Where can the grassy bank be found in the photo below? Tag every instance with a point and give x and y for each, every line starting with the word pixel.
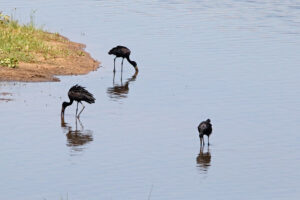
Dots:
pixel 28 53
pixel 27 43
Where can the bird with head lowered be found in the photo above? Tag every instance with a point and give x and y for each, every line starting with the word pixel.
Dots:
pixel 123 52
pixel 79 94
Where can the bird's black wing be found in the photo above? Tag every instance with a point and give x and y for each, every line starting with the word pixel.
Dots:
pixel 120 51
pixel 79 93
pixel 202 126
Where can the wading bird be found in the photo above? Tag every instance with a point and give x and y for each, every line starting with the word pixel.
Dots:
pixel 79 94
pixel 204 128
pixel 124 52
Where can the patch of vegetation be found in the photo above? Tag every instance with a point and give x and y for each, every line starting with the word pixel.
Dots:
pixel 9 62
pixel 27 43
pixel 80 53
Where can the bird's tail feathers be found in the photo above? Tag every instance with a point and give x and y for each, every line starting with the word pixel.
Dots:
pixel 90 99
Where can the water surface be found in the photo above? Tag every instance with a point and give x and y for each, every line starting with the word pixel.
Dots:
pixel 235 62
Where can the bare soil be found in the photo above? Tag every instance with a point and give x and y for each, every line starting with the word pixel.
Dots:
pixel 76 63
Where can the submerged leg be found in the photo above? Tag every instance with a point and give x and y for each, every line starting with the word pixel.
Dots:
pixel 81 110
pixel 115 64
pixel 80 124
pixel 114 79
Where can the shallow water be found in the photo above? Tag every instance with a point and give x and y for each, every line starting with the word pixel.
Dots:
pixel 235 62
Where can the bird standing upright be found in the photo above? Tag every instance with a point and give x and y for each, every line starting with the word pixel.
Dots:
pixel 124 52
pixel 204 128
pixel 79 94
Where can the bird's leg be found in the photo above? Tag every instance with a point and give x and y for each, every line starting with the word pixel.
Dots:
pixel 76 123
pixel 77 108
pixel 122 66
pixel 115 64
pixel 122 78
pixel 208 140
pixel 201 141
pixel 80 124
pixel 81 110
pixel 114 79
pixel 201 148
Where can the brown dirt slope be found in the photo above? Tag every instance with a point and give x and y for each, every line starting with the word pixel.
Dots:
pixel 76 62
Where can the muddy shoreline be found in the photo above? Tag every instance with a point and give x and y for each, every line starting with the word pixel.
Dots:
pixel 78 62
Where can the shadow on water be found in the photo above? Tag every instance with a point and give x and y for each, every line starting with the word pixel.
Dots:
pixel 203 159
pixel 78 138
pixel 120 91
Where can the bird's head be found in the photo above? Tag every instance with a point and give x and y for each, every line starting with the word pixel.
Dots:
pixel 110 52
pixel 208 120
pixel 63 107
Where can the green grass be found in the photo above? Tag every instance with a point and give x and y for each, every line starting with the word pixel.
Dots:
pixel 25 43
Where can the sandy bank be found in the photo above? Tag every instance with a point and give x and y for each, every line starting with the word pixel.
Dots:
pixel 77 62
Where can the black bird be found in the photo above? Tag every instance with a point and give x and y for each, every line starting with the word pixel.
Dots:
pixel 79 94
pixel 204 128
pixel 124 52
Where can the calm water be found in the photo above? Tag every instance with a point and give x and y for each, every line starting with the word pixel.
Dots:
pixel 235 62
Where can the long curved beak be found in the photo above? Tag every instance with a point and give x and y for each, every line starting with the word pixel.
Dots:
pixel 62 112
pixel 136 68
pixel 62 121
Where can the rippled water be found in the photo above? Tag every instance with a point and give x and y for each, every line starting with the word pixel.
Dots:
pixel 235 62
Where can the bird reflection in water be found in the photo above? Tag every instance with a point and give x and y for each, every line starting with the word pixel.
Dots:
pixel 76 139
pixel 203 159
pixel 120 91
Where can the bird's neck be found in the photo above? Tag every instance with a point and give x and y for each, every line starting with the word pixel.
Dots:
pixel 131 62
pixel 64 105
pixel 69 103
